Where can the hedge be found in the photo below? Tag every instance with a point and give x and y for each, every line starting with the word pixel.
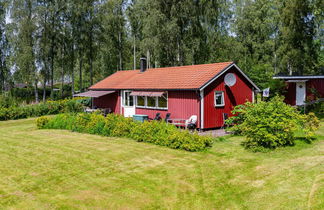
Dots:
pixel 36 110
pixel 155 132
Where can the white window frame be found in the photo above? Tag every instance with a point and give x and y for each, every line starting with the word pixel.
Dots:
pixel 124 99
pixel 156 103
pixel 139 106
pixel 223 98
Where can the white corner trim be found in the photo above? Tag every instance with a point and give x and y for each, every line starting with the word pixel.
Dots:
pixel 202 109
pixel 253 96
pixel 224 71
pixel 121 101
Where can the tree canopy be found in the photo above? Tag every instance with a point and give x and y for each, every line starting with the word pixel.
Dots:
pixel 79 42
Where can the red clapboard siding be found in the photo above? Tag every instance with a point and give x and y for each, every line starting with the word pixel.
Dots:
pixel 235 95
pixel 111 101
pixel 290 95
pixel 181 105
pixel 316 84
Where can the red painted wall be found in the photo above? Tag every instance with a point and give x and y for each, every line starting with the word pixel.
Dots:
pixel 181 105
pixel 235 95
pixel 111 101
pixel 290 95
pixel 318 85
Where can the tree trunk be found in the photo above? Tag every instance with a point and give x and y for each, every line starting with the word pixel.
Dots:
pixel 44 89
pixel 72 69
pixel 62 76
pixel 134 52
pixel 120 52
pixel 80 73
pixel 90 59
pixel 52 57
pixel 36 91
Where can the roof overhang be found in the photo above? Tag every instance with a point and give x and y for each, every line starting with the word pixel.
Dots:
pixel 297 80
pixel 147 93
pixel 299 77
pixel 93 94
pixel 224 71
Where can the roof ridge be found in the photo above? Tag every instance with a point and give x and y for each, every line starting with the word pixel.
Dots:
pixel 184 66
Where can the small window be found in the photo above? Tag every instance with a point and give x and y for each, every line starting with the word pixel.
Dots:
pixel 219 98
pixel 140 101
pixel 151 101
pixel 163 101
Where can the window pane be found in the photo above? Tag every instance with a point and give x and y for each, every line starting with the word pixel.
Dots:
pixel 140 101
pixel 219 98
pixel 126 98
pixel 151 101
pixel 162 101
pixel 131 100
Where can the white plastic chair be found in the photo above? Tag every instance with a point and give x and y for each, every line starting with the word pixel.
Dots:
pixel 191 121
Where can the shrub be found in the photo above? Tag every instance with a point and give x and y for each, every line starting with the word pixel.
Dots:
pixel 271 124
pixel 36 110
pixel 159 133
pixel 42 121
pixel 311 124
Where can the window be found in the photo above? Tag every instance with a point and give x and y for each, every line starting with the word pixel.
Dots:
pixel 140 101
pixel 219 98
pixel 152 102
pixel 162 101
pixel 128 100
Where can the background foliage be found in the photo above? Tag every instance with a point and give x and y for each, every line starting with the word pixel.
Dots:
pixel 40 109
pixel 78 42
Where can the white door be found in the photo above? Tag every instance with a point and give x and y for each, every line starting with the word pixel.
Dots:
pixel 128 104
pixel 300 93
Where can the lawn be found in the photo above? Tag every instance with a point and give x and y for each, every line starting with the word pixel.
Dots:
pixel 50 169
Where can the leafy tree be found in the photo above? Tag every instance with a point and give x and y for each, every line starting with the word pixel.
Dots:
pixel 4 70
pixel 297 32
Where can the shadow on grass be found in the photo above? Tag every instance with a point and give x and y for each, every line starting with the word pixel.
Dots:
pixel 305 140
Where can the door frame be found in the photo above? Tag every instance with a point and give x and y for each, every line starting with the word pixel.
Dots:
pixel 130 108
pixel 302 91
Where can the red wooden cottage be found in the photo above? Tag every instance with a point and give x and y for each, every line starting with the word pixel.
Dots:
pixel 207 91
pixel 300 89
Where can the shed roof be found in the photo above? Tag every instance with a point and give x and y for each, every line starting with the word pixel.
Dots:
pixel 168 78
pixel 299 77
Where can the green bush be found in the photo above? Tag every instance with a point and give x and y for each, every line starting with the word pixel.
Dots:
pixel 271 124
pixel 42 121
pixel 36 110
pixel 155 132
pixel 7 101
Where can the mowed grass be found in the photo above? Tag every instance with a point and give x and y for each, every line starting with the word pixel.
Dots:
pixel 55 169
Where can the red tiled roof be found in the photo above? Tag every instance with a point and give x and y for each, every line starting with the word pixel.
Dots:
pixel 180 77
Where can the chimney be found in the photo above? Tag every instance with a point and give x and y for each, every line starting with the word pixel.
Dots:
pixel 143 64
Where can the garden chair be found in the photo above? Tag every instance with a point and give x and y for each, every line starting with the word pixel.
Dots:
pixel 167 117
pixel 191 123
pixel 157 117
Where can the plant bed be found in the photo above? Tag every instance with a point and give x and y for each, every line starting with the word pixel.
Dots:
pixel 155 132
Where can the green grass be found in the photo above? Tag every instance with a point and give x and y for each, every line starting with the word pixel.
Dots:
pixel 51 169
